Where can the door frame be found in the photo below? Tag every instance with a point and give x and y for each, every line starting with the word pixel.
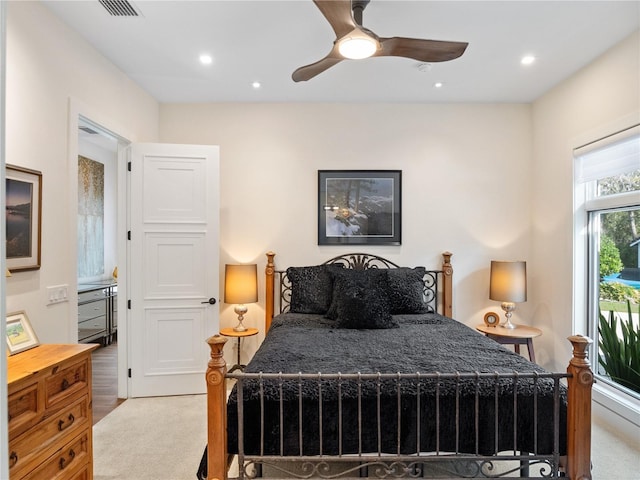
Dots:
pixel 77 111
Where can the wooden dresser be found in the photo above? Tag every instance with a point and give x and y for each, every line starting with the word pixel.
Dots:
pixel 50 421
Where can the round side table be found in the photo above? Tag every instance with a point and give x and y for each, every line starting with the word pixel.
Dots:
pixel 521 335
pixel 230 332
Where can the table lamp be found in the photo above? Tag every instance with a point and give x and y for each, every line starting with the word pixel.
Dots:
pixel 508 284
pixel 240 287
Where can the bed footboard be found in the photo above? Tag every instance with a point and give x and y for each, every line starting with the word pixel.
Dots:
pixel 578 432
pixel 216 410
pixel 580 383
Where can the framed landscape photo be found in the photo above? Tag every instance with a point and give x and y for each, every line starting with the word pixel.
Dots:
pixel 23 217
pixel 359 207
pixel 20 334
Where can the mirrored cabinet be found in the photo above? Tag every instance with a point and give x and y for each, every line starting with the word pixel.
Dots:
pixel 97 312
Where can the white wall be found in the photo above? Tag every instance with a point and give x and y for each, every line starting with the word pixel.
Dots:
pixel 50 72
pixel 466 171
pixel 594 102
pixel 599 100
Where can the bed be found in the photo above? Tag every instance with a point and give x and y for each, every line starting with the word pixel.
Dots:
pixel 363 372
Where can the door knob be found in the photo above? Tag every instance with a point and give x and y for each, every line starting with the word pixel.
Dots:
pixel 211 301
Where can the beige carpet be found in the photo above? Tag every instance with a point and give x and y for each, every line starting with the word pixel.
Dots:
pixel 163 438
pixel 159 438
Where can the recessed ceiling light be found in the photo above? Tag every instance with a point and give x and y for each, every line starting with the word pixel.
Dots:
pixel 206 59
pixel 528 60
pixel 256 85
pixel 438 84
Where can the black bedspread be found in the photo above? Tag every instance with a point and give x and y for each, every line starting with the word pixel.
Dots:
pixel 423 344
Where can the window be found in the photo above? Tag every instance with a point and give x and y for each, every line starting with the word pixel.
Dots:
pixel 607 190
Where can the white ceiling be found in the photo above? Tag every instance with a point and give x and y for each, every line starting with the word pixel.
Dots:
pixel 266 40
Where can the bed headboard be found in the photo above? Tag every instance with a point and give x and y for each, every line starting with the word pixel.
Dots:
pixel 438 284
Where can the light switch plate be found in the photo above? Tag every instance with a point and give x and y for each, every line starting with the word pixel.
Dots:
pixel 57 294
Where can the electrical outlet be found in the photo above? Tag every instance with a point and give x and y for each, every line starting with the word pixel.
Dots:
pixel 57 294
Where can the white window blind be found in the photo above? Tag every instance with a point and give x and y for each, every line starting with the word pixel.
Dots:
pixel 610 156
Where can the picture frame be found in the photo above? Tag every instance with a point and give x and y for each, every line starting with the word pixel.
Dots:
pixel 359 207
pixel 23 217
pixel 20 333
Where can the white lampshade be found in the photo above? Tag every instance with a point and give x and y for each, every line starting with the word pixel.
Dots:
pixel 357 45
pixel 241 284
pixel 508 281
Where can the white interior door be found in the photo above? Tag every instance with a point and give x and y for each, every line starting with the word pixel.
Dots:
pixel 173 266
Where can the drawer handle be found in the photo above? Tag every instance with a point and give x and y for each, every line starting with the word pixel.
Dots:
pixel 65 384
pixel 13 459
pixel 63 426
pixel 63 461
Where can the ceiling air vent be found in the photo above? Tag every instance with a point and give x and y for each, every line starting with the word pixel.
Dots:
pixel 119 8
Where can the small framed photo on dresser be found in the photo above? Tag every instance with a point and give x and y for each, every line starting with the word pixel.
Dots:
pixel 20 334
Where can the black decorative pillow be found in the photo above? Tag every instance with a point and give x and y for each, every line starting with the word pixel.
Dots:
pixel 374 276
pixel 406 290
pixel 339 279
pixel 311 288
pixel 360 299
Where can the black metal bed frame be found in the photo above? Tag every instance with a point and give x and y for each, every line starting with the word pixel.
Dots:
pixel 363 261
pixel 386 464
pixel 434 463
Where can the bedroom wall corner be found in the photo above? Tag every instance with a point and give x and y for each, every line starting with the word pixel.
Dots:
pixel 592 103
pixel 598 95
pixel 47 65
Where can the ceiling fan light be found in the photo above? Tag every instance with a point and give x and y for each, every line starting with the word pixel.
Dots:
pixel 357 45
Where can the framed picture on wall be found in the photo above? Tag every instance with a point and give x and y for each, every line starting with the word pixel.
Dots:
pixel 359 207
pixel 20 334
pixel 23 218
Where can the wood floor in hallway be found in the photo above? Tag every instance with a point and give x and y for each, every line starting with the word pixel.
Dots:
pixel 105 381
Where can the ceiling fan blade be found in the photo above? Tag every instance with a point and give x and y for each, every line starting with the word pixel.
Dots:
pixel 309 71
pixel 421 50
pixel 339 15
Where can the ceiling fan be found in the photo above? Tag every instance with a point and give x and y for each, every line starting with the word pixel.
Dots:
pixel 353 41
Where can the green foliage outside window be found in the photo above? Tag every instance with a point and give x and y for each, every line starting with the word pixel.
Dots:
pixel 618 292
pixel 622 226
pixel 621 183
pixel 619 348
pixel 609 257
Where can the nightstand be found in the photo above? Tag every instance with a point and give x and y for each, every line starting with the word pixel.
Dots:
pixel 230 332
pixel 521 335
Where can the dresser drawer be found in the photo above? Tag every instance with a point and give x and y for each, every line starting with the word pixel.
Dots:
pixel 22 408
pixel 84 474
pixel 92 327
pixel 92 296
pixel 66 462
pixel 66 382
pixel 92 310
pixel 29 447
